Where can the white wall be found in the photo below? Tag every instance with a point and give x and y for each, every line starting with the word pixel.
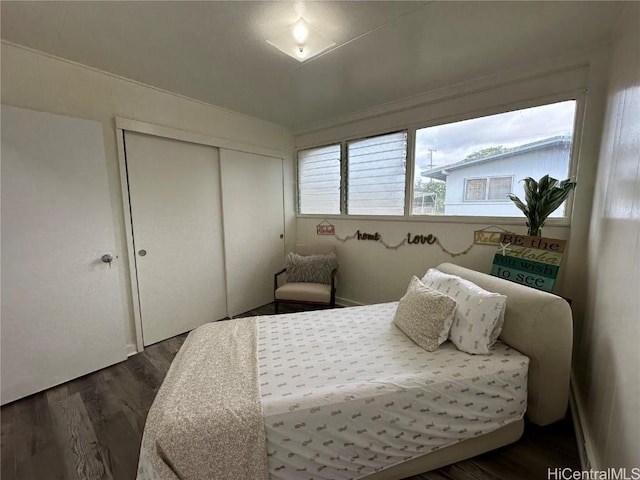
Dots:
pixel 41 82
pixel 370 273
pixel 607 352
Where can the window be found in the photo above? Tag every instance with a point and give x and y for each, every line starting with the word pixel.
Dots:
pixel 499 188
pixel 319 180
pixel 464 168
pixel 475 189
pixel 469 167
pixel 376 175
pixel 492 188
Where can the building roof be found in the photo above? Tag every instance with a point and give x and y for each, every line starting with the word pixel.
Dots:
pixel 440 172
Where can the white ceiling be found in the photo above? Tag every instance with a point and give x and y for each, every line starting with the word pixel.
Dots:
pixel 386 50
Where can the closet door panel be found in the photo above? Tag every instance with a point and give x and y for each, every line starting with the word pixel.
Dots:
pixel 174 191
pixel 252 193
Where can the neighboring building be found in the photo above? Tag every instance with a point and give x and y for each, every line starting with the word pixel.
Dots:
pixel 424 203
pixel 480 186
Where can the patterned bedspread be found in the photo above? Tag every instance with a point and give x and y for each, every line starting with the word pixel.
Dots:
pixel 345 393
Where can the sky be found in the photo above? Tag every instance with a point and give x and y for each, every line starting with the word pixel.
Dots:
pixel 454 141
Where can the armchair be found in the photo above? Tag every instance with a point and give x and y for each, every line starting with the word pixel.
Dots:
pixel 303 290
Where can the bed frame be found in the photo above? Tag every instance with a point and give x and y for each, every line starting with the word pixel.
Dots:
pixel 539 325
pixel 536 323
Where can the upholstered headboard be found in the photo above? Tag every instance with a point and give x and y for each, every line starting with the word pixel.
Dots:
pixel 539 325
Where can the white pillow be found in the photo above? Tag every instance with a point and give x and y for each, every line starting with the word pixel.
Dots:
pixel 480 314
pixel 425 315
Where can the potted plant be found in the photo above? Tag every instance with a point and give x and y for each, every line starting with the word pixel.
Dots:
pixel 542 199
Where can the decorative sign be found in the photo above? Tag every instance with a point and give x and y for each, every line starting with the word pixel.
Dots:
pixel 325 228
pixel 531 261
pixel 483 237
pixel 368 236
pixel 489 235
pixel 421 239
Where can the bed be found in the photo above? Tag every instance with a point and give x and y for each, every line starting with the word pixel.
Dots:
pixel 341 394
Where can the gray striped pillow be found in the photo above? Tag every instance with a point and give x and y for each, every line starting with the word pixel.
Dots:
pixel 311 268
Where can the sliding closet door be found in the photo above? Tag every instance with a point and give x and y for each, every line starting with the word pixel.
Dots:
pixel 62 309
pixel 174 190
pixel 252 194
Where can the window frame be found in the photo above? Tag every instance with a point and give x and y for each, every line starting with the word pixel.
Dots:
pixel 345 161
pixel 577 95
pixel 484 189
pixel 487 188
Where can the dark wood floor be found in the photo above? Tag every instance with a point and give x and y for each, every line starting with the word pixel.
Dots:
pixel 91 428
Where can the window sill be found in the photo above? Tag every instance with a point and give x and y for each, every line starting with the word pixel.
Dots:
pixel 513 221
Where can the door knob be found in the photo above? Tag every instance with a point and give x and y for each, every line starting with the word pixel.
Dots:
pixel 142 253
pixel 107 258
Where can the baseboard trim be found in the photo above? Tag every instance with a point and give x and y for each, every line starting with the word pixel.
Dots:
pixel 588 458
pixel 345 302
pixel 131 349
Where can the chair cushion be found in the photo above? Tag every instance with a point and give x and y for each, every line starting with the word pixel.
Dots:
pixel 304 292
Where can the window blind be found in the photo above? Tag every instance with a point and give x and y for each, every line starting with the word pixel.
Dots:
pixel 319 180
pixel 376 169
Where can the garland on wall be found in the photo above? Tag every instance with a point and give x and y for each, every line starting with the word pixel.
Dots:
pixel 480 238
pixel 410 239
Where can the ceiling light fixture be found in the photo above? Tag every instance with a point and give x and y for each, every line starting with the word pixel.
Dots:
pixel 300 31
pixel 301 41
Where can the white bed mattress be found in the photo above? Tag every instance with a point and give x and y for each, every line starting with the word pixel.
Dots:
pixel 345 393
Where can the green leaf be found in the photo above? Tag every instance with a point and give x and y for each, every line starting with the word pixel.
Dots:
pixel 542 199
pixel 530 191
pixel 555 198
pixel 543 184
pixel 518 203
pixel 567 184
